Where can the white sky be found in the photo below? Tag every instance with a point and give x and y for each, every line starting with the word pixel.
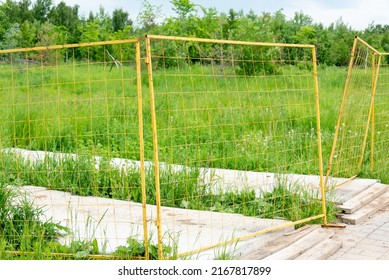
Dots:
pixel 356 13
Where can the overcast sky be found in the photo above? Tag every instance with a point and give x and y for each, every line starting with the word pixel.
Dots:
pixel 356 13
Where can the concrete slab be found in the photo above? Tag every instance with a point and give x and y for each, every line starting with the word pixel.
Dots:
pixel 221 180
pixel 260 182
pixel 111 222
pixel 218 179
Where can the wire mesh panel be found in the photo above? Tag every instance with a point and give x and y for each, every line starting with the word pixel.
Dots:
pixel 351 137
pixel 70 140
pixel 380 123
pixel 236 130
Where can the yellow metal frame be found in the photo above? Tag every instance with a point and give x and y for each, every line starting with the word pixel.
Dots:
pixel 155 136
pixel 319 146
pixel 155 148
pixel 246 43
pixel 140 123
pixel 148 61
pixel 68 46
pixel 142 149
pixel 370 119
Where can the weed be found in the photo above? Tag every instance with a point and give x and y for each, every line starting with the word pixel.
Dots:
pixel 226 252
pixel 22 226
pixel 135 249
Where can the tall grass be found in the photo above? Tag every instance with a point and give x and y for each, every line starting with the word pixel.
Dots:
pixel 87 109
pixel 79 108
pixel 180 189
pixel 22 225
pixel 90 111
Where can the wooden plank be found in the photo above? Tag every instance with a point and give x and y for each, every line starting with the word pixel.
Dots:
pixel 363 198
pixel 286 240
pixel 352 188
pixel 300 246
pixel 321 251
pixel 366 211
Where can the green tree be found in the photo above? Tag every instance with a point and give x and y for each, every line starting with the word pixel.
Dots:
pixel 385 40
pixel 98 27
pixel 63 15
pixel 148 16
pixel 281 28
pixel 4 21
pixel 230 24
pixel 207 26
pixel 123 34
pixel 41 9
pixel 105 22
pixel 323 44
pixel 120 20
pixel 91 32
pixel 341 39
pixel 183 7
pixel 184 10
pixel 300 19
pixel 306 35
pixel 18 12
pixel 48 35
pixel 12 37
pixel 28 34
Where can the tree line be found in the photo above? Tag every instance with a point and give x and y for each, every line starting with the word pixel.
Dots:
pixel 27 23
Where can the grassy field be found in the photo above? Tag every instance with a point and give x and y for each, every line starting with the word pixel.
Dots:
pixel 203 120
pixel 88 109
pixel 50 109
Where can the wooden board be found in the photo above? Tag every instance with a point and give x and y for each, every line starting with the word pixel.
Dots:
pixel 286 240
pixel 321 251
pixel 363 198
pixel 366 211
pixel 302 245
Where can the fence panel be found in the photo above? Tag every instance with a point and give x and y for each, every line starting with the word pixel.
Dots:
pixel 232 143
pixel 71 139
pixel 361 137
pixel 348 153
pixel 236 131
pixel 380 124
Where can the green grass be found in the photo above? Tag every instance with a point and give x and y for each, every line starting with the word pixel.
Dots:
pixel 179 189
pixel 71 111
pixel 25 233
pixel 227 124
pixel 24 230
pixel 240 123
pixel 203 120
pixel 22 226
pixel 236 123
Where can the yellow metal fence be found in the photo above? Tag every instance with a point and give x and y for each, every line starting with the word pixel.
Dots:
pixel 236 129
pixel 360 142
pixel 70 115
pixel 379 157
pixel 218 141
